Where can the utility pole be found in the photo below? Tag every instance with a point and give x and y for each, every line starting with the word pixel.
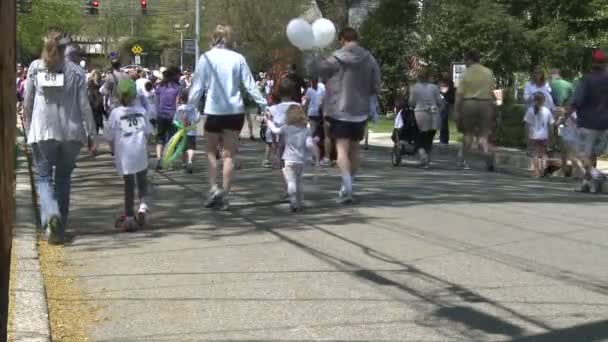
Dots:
pixel 132 19
pixel 198 32
pixel 8 126
pixel 181 29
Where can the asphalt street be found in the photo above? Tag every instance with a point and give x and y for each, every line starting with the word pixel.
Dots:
pixel 423 255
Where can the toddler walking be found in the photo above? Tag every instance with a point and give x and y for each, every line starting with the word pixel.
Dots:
pixel 188 116
pixel 128 133
pixel 539 121
pixel 298 140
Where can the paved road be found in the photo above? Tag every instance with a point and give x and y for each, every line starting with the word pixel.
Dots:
pixel 425 255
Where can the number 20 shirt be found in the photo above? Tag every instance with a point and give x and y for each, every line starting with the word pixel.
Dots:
pixel 128 130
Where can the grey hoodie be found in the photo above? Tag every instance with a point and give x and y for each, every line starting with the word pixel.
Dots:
pixel 353 78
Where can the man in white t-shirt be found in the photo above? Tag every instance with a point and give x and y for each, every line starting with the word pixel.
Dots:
pixel 312 101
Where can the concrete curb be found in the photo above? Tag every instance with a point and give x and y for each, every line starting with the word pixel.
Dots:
pixel 30 319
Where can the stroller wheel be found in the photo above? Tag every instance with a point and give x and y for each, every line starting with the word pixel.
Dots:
pixel 396 156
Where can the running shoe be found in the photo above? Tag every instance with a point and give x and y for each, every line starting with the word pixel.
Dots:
pixel 224 205
pixel 53 231
pixel 586 186
pixel 215 198
pixel 159 166
pixel 129 225
pixel 463 165
pixel 345 197
pixel 141 215
pixel 267 164
pixel 325 162
pixel 189 168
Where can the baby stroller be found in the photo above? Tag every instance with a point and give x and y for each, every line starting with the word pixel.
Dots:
pixel 405 135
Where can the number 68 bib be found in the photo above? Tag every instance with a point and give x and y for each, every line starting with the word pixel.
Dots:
pixel 130 124
pixel 49 79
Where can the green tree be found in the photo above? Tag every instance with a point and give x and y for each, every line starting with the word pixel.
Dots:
pixel 64 15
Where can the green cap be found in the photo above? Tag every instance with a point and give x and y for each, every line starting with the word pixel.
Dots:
pixel 126 88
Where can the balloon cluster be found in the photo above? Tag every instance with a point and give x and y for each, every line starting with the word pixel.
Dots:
pixel 305 36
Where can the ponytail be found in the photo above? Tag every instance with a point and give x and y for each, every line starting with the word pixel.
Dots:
pixel 53 50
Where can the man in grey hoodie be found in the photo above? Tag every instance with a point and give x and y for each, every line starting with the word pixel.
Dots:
pixel 354 78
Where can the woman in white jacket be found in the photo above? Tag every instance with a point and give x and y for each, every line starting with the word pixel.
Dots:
pixel 58 119
pixel 219 75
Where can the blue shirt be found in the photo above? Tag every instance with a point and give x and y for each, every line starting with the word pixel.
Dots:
pixel 219 75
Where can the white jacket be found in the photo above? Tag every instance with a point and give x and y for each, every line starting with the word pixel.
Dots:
pixel 57 113
pixel 219 75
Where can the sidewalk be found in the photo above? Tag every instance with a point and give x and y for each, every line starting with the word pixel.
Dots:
pixel 29 313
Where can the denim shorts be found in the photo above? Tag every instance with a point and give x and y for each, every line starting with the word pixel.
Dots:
pixel 592 143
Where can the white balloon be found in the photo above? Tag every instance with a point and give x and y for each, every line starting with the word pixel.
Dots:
pixel 324 32
pixel 299 33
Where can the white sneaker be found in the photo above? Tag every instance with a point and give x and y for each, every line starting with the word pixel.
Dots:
pixel 215 197
pixel 141 215
pixel 325 162
pixel 345 197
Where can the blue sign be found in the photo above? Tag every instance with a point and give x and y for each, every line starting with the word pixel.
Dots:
pixel 113 54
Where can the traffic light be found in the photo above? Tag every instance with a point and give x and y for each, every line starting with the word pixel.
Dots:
pixel 144 7
pixel 93 7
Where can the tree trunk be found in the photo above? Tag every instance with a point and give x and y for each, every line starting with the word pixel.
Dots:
pixel 8 106
pixel 336 11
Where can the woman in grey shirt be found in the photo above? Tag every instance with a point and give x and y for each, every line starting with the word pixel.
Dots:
pixel 426 99
pixel 58 118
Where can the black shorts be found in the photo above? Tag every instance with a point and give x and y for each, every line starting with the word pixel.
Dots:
pixel 354 131
pixel 220 123
pixel 191 142
pixel 164 130
pixel 318 119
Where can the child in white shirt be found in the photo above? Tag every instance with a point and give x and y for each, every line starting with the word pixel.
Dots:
pixel 128 129
pixel 278 112
pixel 539 121
pixel 298 141
pixel 188 116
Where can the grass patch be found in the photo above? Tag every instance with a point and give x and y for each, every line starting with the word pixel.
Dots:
pixel 386 125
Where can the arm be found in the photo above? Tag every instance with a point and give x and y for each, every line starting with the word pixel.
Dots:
pixel 578 99
pixel 273 128
pixel 325 67
pixel 249 83
pixel 376 77
pixel 412 99
pixel 30 94
pixel 528 94
pixel 198 82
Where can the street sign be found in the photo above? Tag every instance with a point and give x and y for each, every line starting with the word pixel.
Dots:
pixel 137 50
pixel 113 55
pixel 138 59
pixel 189 46
pixel 458 70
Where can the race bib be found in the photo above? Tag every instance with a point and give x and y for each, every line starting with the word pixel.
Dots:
pixel 130 124
pixel 49 79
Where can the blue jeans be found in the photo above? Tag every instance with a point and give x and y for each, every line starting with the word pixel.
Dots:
pixel 55 161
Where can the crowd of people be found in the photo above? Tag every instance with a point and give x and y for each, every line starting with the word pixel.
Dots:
pixel 303 122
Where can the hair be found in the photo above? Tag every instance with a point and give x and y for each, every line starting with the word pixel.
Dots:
pixel 222 36
pixel 539 68
pixel 472 55
pixel 96 76
pixel 183 96
pixel 149 86
pixel 170 75
pixel 424 74
pixel 296 116
pixel 53 52
pixel 400 102
pixel 286 88
pixel 539 101
pixel 349 34
pixel 115 64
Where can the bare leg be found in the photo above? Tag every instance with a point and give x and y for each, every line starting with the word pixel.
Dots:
pixel 344 163
pixel 213 141
pixel 249 124
pixel 465 149
pixel 231 144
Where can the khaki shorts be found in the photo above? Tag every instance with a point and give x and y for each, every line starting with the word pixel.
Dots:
pixel 478 117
